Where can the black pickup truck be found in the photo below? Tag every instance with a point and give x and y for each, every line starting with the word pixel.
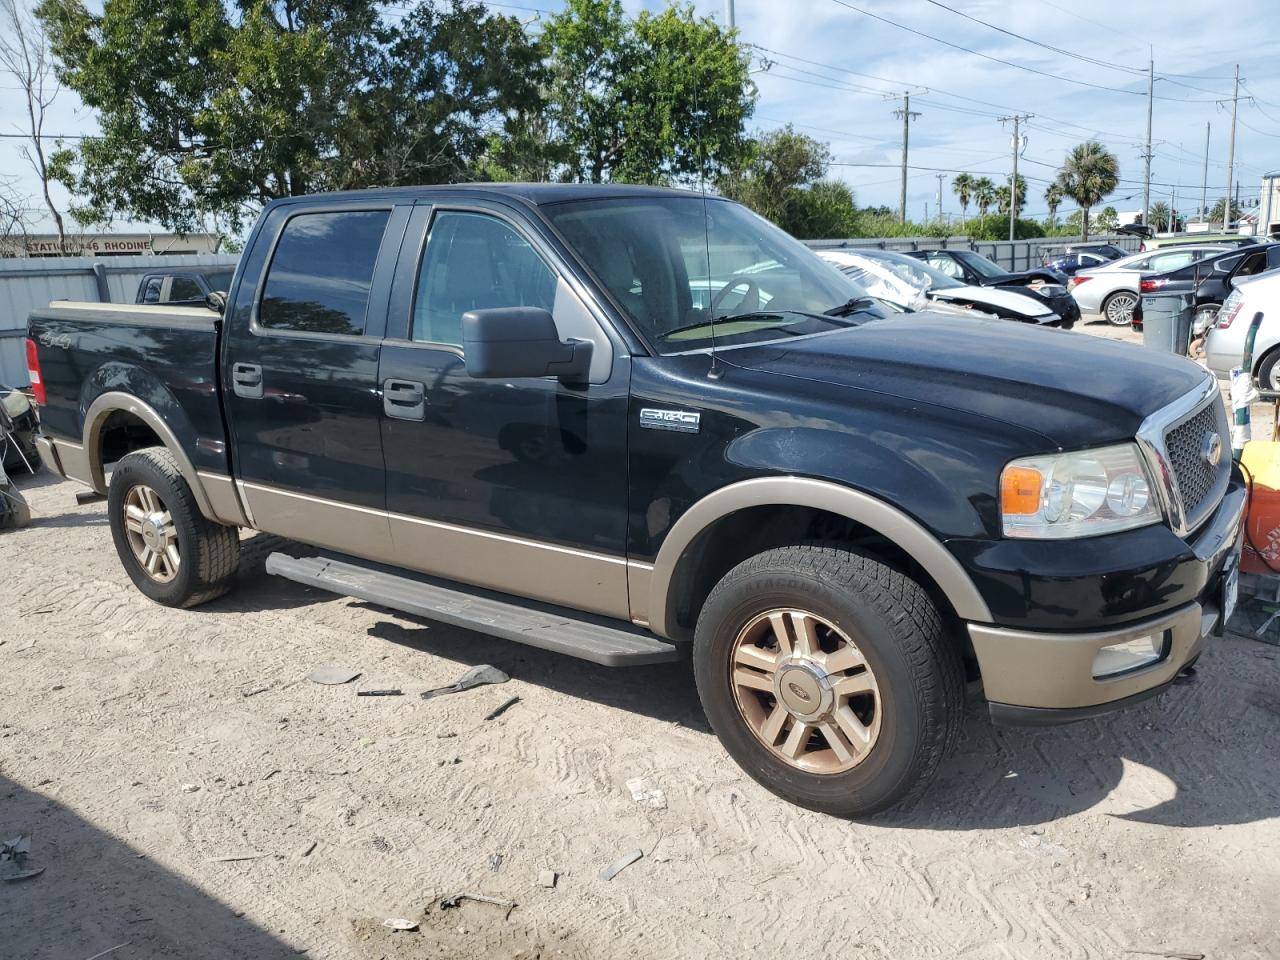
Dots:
pixel 634 425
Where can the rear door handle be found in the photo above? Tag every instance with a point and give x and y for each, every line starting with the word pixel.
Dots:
pixel 246 380
pixel 404 399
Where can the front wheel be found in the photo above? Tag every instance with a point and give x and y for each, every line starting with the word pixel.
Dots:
pixel 1118 308
pixel 1269 371
pixel 827 676
pixel 171 551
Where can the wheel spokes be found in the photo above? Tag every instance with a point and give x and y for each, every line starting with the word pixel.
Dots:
pixel 753 680
pixel 848 657
pixel 796 740
pixel 855 685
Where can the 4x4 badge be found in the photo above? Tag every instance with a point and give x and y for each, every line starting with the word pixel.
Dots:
pixel 682 421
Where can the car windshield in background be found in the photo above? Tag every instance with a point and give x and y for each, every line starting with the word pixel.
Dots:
pixel 758 283
pixel 981 264
pixel 915 272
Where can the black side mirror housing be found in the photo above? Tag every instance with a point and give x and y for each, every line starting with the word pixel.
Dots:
pixel 216 301
pixel 507 343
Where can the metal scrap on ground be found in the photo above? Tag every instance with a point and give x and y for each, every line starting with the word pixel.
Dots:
pixel 647 793
pixel 399 923
pixel 477 676
pixel 13 860
pixel 501 708
pixel 624 861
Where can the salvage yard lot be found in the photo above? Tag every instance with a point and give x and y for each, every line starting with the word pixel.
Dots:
pixel 144 749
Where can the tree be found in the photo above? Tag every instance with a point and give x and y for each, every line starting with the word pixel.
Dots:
pixel 984 195
pixel 16 214
pixel 25 56
pixel 1160 217
pixel 962 184
pixel 1053 197
pixel 1108 220
pixel 209 110
pixel 658 99
pixel 784 182
pixel 1088 174
pixel 1002 195
pixel 1216 213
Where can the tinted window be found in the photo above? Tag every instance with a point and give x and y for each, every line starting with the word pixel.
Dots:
pixel 320 272
pixel 151 293
pixel 981 265
pixel 475 262
pixel 184 288
pixel 219 280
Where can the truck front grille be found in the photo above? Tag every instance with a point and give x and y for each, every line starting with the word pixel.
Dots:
pixel 1200 483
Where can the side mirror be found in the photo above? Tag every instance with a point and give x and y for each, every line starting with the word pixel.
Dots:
pixel 216 301
pixel 511 342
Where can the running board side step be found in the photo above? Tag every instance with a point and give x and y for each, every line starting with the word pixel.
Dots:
pixel 530 622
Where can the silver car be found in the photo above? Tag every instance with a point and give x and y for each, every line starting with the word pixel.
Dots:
pixel 1112 289
pixel 1224 347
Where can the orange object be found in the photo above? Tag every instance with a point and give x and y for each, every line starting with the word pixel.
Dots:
pixel 1261 553
pixel 1020 491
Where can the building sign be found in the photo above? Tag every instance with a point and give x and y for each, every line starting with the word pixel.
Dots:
pixel 119 245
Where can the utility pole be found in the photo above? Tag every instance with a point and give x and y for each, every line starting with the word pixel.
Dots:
pixel 1204 182
pixel 1146 178
pixel 1231 155
pixel 940 176
pixel 1013 182
pixel 728 14
pixel 907 116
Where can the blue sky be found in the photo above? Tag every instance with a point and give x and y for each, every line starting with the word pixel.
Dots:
pixel 827 68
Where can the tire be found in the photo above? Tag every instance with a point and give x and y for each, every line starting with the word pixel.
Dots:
pixel 148 484
pixel 1117 308
pixel 1207 314
pixel 912 719
pixel 1269 371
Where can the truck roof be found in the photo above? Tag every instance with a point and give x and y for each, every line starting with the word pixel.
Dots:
pixel 535 194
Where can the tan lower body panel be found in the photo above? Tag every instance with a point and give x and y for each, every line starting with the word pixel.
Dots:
pixel 592 582
pixel 223 499
pixel 1055 670
pixel 71 459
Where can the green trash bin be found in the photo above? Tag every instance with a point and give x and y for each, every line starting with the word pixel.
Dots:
pixel 1166 321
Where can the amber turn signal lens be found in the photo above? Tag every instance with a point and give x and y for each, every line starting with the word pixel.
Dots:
pixel 1020 491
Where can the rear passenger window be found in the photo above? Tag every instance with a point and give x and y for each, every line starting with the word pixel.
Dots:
pixel 320 273
pixel 184 288
pixel 151 293
pixel 475 262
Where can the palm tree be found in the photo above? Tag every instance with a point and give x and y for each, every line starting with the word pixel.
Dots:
pixel 1159 214
pixel 1053 196
pixel 963 184
pixel 1002 195
pixel 1089 173
pixel 984 195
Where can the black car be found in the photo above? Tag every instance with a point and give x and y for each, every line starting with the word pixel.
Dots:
pixel 184 286
pixel 1210 279
pixel 970 267
pixel 1081 256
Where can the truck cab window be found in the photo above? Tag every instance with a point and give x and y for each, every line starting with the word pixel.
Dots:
pixel 475 262
pixel 320 273
pixel 151 293
pixel 184 288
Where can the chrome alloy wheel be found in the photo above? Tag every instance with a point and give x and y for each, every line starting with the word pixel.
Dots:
pixel 1120 308
pixel 152 536
pixel 806 691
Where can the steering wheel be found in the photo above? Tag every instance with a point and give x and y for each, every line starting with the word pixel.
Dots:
pixel 752 291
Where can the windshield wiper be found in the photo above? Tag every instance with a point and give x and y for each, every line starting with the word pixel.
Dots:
pixel 850 307
pixel 748 315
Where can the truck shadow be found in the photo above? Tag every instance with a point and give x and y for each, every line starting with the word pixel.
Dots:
pixel 1201 754
pixel 97 892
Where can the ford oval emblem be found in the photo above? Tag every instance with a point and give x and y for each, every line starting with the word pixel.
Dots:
pixel 800 692
pixel 1211 449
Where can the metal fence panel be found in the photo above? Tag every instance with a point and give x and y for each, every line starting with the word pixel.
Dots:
pixel 1013 255
pixel 28 284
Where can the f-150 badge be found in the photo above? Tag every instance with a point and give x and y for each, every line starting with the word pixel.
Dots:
pixel 681 421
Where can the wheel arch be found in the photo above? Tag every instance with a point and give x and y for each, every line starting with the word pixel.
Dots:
pixel 116 408
pixel 675 566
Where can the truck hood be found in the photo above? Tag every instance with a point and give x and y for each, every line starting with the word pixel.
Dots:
pixel 1073 389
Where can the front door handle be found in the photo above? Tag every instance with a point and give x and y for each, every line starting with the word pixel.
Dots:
pixel 404 399
pixel 246 380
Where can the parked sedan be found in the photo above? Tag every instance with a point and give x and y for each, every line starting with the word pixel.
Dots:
pixel 1210 280
pixel 916 285
pixel 1224 346
pixel 977 270
pixel 1071 258
pixel 1112 289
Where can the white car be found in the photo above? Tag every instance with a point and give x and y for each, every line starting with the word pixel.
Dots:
pixel 1112 289
pixel 1224 347
pixel 913 284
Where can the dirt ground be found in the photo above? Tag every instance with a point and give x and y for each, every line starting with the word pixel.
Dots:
pixel 147 751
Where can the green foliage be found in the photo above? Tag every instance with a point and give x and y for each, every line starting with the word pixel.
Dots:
pixel 963 184
pixel 1053 197
pixel 1159 217
pixel 1108 220
pixel 1002 197
pixel 1088 174
pixel 784 181
pixel 1215 214
pixel 984 195
pixel 995 226
pixel 658 99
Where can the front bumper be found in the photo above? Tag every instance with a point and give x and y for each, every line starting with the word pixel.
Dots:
pixel 1041 677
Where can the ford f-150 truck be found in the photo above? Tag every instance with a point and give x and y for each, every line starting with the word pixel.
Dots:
pixel 634 425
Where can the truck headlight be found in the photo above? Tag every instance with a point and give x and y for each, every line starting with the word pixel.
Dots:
pixel 1083 494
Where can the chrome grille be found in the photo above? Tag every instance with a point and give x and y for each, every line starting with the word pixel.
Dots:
pixel 1195 476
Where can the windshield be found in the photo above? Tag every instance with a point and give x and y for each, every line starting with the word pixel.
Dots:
pixel 219 280
pixel 760 284
pixel 916 272
pixel 981 264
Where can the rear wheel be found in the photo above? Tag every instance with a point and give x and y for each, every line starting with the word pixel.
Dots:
pixel 1118 307
pixel 827 676
pixel 1269 371
pixel 172 553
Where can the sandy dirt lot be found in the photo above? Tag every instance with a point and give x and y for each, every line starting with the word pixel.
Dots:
pixel 144 748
